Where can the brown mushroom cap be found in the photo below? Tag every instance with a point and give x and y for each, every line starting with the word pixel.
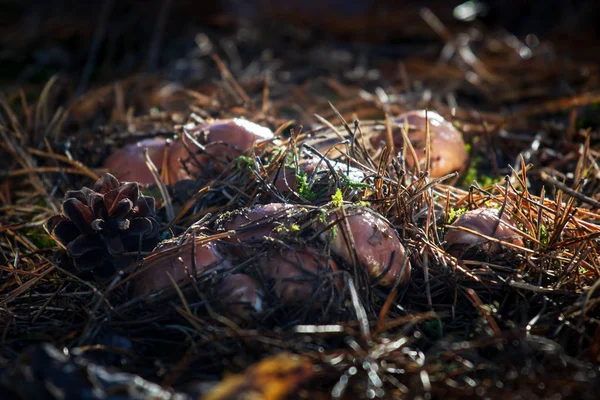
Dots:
pixel 169 258
pixel 240 296
pixel 255 223
pixel 128 163
pixel 486 222
pixel 448 153
pixel 301 275
pixel 223 141
pixel 377 246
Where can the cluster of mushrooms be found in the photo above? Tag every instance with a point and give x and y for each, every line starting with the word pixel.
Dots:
pixel 285 254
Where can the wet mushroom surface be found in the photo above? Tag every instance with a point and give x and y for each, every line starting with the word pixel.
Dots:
pixel 448 150
pixel 482 230
pixel 129 164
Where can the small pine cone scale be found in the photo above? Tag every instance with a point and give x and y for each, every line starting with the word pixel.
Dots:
pixel 101 224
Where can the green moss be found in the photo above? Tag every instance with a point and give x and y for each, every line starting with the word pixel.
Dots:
pixel 323 216
pixel 474 173
pixel 243 162
pixel 304 189
pixel 544 235
pixel 337 198
pixel 347 182
pixel 454 213
pixel 334 232
pixel 433 329
pixel 40 238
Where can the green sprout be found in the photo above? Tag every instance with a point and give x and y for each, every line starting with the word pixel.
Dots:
pixel 292 228
pixel 243 162
pixel 337 198
pixel 323 216
pixel 544 237
pixel 455 213
pixel 352 184
pixel 304 189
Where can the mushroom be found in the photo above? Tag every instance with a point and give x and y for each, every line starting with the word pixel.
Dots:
pixel 376 243
pixel 128 163
pixel 239 295
pixel 320 173
pixel 301 275
pixel 448 153
pixel 484 221
pixel 222 141
pixel 174 259
pixel 253 224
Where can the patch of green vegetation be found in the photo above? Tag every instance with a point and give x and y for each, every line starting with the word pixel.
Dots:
pixel 293 227
pixel 454 213
pixel 433 329
pixel 337 199
pixel 544 236
pixel 243 162
pixel 304 189
pixel 474 171
pixel 347 182
pixel 492 308
pixel 289 160
pixel 334 232
pixel 40 238
pixel 323 216
pixel 473 175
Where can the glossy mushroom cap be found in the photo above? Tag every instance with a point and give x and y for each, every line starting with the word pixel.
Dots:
pixel 223 141
pixel 169 258
pixel 376 243
pixel 301 276
pixel 253 224
pixel 486 222
pixel 239 295
pixel 448 153
pixel 128 163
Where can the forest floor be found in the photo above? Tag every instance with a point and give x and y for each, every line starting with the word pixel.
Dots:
pixel 522 322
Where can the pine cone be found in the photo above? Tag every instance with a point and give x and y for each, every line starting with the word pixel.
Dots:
pixel 99 225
